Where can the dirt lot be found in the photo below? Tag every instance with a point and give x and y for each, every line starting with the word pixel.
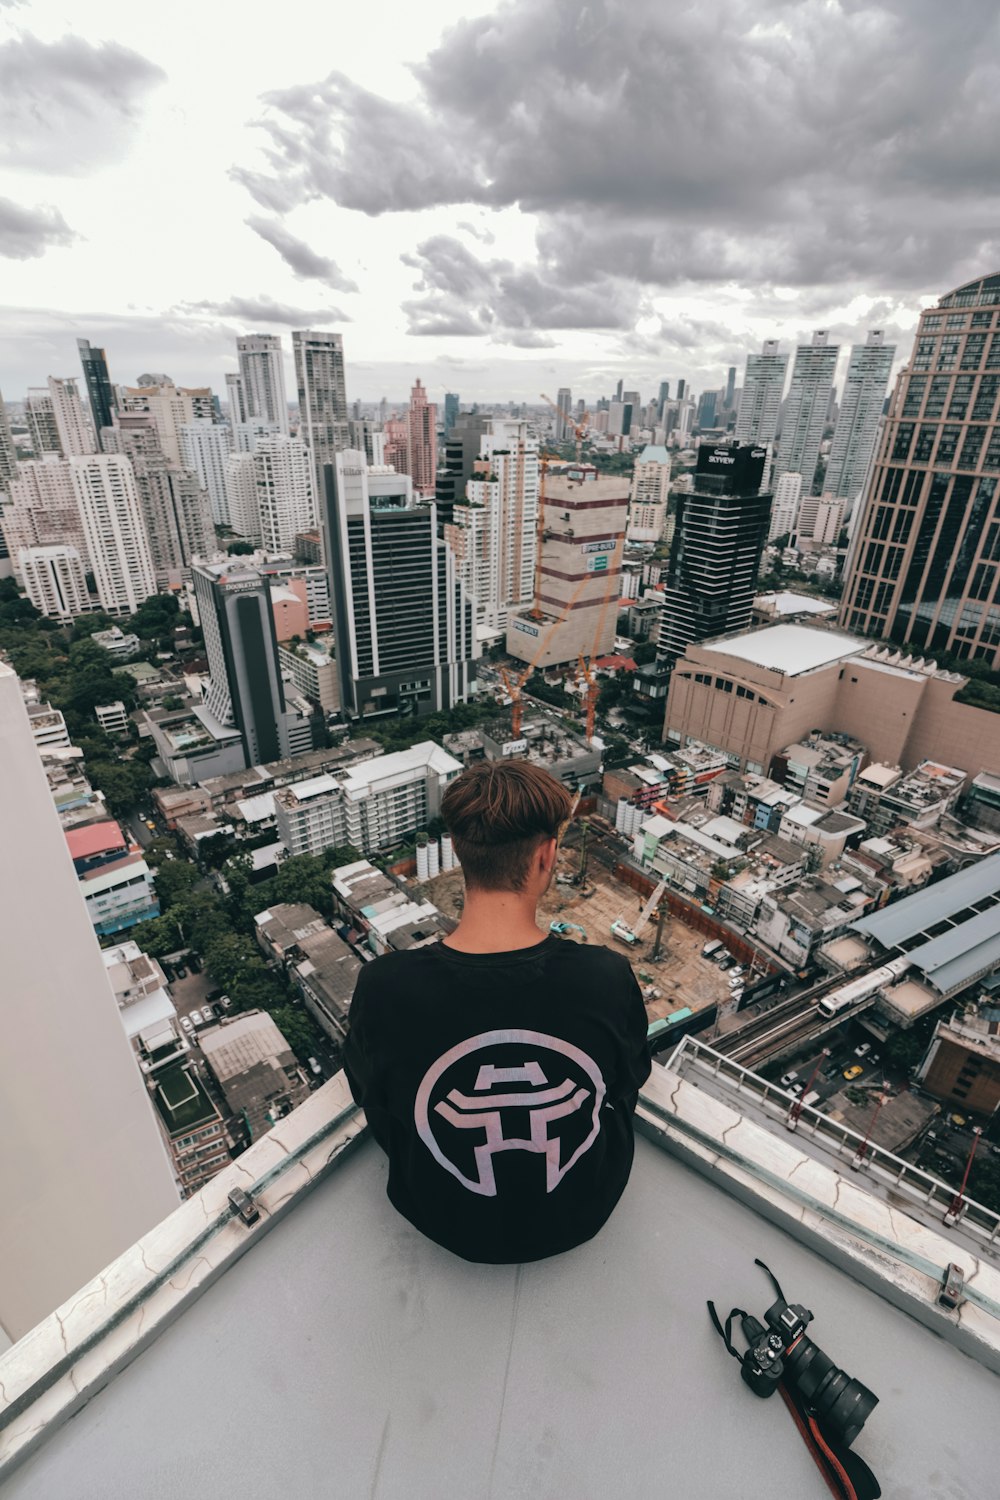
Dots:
pixel 682 975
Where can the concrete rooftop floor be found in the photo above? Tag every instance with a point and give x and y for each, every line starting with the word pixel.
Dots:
pixel 346 1356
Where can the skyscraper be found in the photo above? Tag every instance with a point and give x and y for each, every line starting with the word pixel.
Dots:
pixel 403 622
pixel 564 401
pixel 707 403
pixel 41 420
pixel 806 409
pixel 285 503
pixel 54 581
pixel 245 689
pixel 262 373
pixel 171 408
pixel 98 382
pixel 236 397
pixel 204 448
pixel 451 408
pixel 116 537
pixel 730 387
pixel 83 1172
pixel 857 422
pixel 241 495
pixel 461 451
pixel 8 455
pixel 422 441
pixel 44 511
pixel 319 373
pixel 718 539
pixel 924 568
pixel 785 507
pixel 77 435
pixel 176 511
pixel 508 489
pixel 760 403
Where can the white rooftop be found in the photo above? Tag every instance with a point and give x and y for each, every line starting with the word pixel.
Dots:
pixel 316 786
pixel 426 756
pixel 791 649
pixel 787 603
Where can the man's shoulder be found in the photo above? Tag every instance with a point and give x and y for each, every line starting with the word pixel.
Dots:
pixel 596 959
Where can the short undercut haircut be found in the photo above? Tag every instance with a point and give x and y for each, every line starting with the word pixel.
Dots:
pixel 498 812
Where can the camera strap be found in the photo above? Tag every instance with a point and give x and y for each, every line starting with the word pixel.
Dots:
pixel 848 1477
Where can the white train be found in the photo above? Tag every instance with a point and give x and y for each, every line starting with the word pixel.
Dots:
pixel 859 989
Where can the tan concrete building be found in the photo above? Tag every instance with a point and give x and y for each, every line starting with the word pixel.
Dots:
pixel 925 560
pixel 580 574
pixel 752 695
pixel 962 1063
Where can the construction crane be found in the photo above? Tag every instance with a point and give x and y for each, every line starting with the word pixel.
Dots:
pixel 514 685
pixel 580 425
pixel 631 935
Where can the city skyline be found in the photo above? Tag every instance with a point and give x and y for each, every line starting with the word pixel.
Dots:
pixel 368 203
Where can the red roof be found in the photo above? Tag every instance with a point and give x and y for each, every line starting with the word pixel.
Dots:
pixel 94 838
pixel 614 663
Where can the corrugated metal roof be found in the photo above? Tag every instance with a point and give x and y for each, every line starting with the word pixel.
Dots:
pixel 906 919
pixel 962 953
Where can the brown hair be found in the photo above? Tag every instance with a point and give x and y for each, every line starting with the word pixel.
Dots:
pixel 498 812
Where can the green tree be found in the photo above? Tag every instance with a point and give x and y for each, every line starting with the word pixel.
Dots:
pixel 175 880
pixel 299 1030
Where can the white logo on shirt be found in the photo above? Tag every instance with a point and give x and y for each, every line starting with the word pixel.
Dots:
pixel 509 1091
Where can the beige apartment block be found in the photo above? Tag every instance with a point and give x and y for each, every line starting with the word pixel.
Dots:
pixel 751 695
pixel 580 573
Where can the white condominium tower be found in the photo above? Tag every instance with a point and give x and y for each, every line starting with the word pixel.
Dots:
pixel 83 1170
pixel 322 387
pixel 171 408
pixel 41 420
pixel 205 446
pixel 73 420
pixel 760 403
pixel 44 510
pixel 116 538
pixel 241 495
pixel 54 581
pixel 857 422
pixel 785 506
pixel 8 455
pixel 501 557
pixel 262 376
pixel 285 503
pixel 807 409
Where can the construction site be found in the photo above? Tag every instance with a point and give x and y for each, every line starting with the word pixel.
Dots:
pixel 674 977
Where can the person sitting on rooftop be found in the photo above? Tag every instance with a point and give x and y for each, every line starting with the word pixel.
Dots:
pixel 499 1069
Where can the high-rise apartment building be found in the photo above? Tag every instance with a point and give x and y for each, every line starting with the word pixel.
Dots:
pixel 924 568
pixel 236 398
pixel 461 452
pixel 403 622
pixel 648 507
pixel 505 484
pixel 806 409
pixel 285 503
pixel 241 495
pixel 719 534
pixel 54 581
pixel 367 437
pixel 117 546
pixel 44 511
pixel 760 402
pixel 422 441
pixel 176 510
pixel 245 689
pixel 857 421
pixel 322 388
pixel 96 1176
pixel 100 391
pixel 171 409
pixel 707 409
pixel 785 507
pixel 564 401
pixel 730 387
pixel 8 453
pixel 451 408
pixel 77 435
pixel 41 419
pixel 204 448
pixel 580 573
pixel 262 372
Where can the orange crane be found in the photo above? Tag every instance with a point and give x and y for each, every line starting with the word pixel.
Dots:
pixel 514 684
pixel 580 425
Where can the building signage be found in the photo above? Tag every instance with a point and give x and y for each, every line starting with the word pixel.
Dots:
pixel 512 747
pixel 743 465
pixel 251 587
pixel 527 629
pixel 608 545
pixel 597 564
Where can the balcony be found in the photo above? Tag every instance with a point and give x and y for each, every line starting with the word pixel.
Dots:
pixel 329 1350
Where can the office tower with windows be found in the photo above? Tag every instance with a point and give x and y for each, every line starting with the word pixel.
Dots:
pixel 649 495
pixel 100 392
pixel 176 510
pixel 245 691
pixel 730 387
pixel 322 389
pixel 707 404
pixel 461 451
pixel 117 545
pixel 404 624
pixel 785 507
pixel 262 372
pixel 41 420
pixel 924 569
pixel 236 398
pixel 83 1172
pixel 54 581
pixel 760 402
pixel 719 534
pixel 285 503
pixel 421 441
pixel 205 447
pixel 77 434
pixel 806 409
pixel 367 436
pixel 451 407
pixel 564 401
pixel 857 421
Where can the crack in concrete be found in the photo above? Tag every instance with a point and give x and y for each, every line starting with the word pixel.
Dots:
pixel 201 1260
pixel 142 1257
pixel 62 1331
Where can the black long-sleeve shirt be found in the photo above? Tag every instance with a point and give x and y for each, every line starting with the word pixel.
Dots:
pixel 502 1087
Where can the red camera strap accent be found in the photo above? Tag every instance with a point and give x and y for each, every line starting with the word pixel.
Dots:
pixel 829 1465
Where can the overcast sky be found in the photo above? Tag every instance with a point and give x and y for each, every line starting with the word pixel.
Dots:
pixel 500 199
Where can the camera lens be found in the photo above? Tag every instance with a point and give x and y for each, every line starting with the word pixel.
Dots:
pixel 841 1404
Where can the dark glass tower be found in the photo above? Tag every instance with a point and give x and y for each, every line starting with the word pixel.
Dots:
pixel 98 383
pixel 719 534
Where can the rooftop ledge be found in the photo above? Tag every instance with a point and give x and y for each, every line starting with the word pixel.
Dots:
pixel 349 1356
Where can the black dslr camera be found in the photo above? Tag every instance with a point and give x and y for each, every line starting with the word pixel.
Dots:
pixel 780 1353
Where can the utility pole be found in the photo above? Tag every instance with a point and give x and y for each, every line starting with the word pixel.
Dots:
pixel 958 1202
pixel 581 877
pixel 862 1151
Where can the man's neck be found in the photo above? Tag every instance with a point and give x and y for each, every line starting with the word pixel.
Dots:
pixel 496 922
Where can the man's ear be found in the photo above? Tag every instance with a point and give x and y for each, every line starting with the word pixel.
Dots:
pixel 547 851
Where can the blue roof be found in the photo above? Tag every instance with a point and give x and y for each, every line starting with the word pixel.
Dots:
pixel 935 903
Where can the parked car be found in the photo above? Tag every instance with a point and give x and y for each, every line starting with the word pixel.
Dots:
pixel 209 1012
pixel 854 1071
pixel 225 1002
pixel 737 970
pixel 787 1079
pixel 195 1017
pixel 797 1089
pixel 314 1065
pixel 180 973
pixel 863 1050
pixel 186 1023
pixel 735 982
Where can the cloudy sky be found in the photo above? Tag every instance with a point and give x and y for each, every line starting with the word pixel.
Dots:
pixel 501 199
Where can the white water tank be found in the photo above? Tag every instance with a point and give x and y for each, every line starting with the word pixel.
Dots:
pixel 423 859
pixel 447 852
pixel 621 813
pixel 434 858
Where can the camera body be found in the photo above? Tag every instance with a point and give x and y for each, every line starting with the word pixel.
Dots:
pixel 762 1366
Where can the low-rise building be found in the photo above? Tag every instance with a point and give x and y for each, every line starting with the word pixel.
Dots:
pixel 192 1126
pixel 280 929
pixel 887 798
pixel 256 1070
pixel 795 922
pixel 116 882
pixel 326 976
pixel 962 1063
pixel 312 668
pixel 820 769
pixel 982 803
pixel 48 727
pixel 382 914
pixel 147 1011
pixel 118 643
pixel 112 717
